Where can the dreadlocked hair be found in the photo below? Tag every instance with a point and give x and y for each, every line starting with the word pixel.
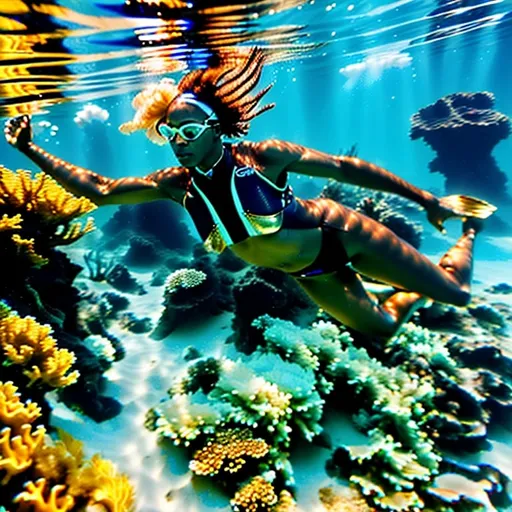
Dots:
pixel 225 87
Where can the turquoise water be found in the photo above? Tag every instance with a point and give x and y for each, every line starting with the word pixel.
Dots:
pixel 347 75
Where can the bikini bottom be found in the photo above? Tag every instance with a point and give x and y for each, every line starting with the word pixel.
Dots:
pixel 332 256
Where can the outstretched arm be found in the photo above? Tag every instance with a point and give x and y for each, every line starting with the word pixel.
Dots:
pixel 277 156
pixel 166 183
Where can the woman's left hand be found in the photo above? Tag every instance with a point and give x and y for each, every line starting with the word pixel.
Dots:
pixel 441 209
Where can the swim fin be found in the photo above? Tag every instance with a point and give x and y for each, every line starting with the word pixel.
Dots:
pixel 467 206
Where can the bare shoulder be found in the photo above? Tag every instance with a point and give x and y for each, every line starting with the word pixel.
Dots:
pixel 173 181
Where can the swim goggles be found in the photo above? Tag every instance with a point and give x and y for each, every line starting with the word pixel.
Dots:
pixel 188 132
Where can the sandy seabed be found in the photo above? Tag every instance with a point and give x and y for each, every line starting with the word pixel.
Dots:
pixel 159 473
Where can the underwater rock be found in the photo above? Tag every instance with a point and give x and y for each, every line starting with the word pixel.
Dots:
pixel 89 401
pixel 159 276
pixel 160 221
pixel 142 253
pixel 227 260
pixel 504 288
pixel 120 278
pixel 194 293
pixel 266 291
pixel 463 129
pixel 136 325
pixel 190 353
pixel 488 314
pixel 189 296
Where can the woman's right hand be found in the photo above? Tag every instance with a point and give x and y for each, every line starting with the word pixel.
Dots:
pixel 18 131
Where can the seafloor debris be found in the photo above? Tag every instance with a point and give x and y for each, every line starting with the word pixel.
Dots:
pixel 463 129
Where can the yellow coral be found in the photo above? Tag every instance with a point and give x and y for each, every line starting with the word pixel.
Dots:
pixel 350 501
pixel 9 223
pixel 26 247
pixel 59 460
pixel 13 412
pixel 228 451
pixel 38 500
pixel 286 503
pixel 26 342
pixel 16 453
pixel 44 197
pixel 256 496
pixel 99 480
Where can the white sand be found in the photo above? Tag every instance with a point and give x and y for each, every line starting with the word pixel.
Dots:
pixel 140 381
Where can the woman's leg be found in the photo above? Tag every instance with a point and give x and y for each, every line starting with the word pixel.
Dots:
pixel 343 296
pixel 377 252
pixel 389 259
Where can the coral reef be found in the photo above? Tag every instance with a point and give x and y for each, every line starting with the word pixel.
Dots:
pixel 463 129
pixel 389 209
pixel 254 292
pixel 411 406
pixel 142 253
pixel 47 475
pixel 194 293
pixel 102 268
pixel 29 344
pixel 38 215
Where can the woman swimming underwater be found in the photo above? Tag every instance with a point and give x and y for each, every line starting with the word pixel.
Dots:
pixel 238 197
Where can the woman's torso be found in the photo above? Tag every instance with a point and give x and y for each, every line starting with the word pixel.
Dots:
pixel 259 219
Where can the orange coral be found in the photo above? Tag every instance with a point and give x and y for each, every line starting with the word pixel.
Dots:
pixel 286 503
pixel 26 342
pixel 351 501
pixel 16 453
pixel 37 499
pixel 228 451
pixel 256 496
pixel 13 412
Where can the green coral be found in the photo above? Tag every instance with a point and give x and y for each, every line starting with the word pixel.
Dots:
pixel 280 393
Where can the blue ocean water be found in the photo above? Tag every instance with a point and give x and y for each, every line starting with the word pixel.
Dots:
pixel 347 75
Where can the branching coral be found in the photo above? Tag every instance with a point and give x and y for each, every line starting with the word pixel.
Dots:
pixel 10 223
pixel 16 452
pixel 64 478
pixel 103 485
pixel 47 209
pixel 37 498
pixel 13 412
pixel 28 343
pixel 280 392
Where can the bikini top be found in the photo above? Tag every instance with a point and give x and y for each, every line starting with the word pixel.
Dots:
pixel 232 202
